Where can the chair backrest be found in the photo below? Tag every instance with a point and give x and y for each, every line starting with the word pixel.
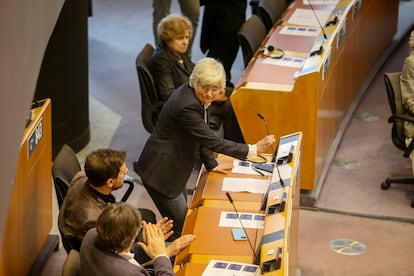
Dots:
pixel 150 103
pixel 270 11
pixel 250 36
pixel 65 166
pixel 71 266
pixel 393 89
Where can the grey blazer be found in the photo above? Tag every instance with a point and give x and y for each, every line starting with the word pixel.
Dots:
pixel 181 135
pixel 94 261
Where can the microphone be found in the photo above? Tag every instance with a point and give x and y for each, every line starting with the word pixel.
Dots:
pixel 317 52
pixel 332 22
pixel 280 177
pixel 317 19
pixel 267 128
pixel 265 122
pixel 244 229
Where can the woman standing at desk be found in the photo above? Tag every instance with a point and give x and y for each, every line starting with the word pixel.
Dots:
pixel 182 134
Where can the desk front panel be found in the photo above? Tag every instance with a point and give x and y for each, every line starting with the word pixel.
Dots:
pixel 319 100
pixel 190 269
pixel 29 219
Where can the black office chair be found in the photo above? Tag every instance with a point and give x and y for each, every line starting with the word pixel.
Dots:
pixel 397 118
pixel 254 6
pixel 151 104
pixel 65 166
pixel 270 11
pixel 250 36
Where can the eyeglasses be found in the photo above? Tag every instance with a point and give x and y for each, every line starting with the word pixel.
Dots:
pixel 213 89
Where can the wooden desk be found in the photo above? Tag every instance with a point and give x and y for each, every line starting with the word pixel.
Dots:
pixel 208 191
pixel 281 220
pixel 191 269
pixel 319 100
pixel 213 241
pixel 29 219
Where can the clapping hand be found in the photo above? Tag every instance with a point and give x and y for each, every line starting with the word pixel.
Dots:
pixel 154 243
pixel 166 226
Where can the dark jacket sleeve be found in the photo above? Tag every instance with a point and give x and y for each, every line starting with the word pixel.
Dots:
pixel 167 72
pixel 163 75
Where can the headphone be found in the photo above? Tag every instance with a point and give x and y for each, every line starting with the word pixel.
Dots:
pixel 272 52
pixel 317 52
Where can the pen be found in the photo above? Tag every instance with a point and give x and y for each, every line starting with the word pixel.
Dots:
pixel 258 171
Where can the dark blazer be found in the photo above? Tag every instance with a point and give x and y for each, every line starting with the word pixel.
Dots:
pixel 222 20
pixel 168 72
pixel 94 261
pixel 181 134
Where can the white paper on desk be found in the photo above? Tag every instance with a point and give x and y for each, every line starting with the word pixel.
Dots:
pixel 313 63
pixel 243 167
pixel 287 61
pixel 320 2
pixel 225 268
pixel 233 184
pixel 306 17
pixel 283 149
pixel 249 220
pixel 285 171
pixel 300 31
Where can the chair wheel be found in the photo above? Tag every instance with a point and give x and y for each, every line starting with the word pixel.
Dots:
pixel 385 185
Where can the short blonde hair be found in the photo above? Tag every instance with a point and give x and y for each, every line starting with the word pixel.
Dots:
pixel 172 26
pixel 208 71
pixel 411 40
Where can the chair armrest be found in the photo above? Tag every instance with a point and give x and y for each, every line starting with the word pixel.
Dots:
pixel 406 118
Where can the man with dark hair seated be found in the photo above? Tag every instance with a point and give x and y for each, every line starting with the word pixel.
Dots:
pixel 90 192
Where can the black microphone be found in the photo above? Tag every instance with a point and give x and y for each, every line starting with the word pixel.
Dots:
pixel 332 22
pixel 265 122
pixel 280 177
pixel 317 19
pixel 267 128
pixel 317 52
pixel 244 229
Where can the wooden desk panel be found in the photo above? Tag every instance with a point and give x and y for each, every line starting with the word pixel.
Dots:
pixel 281 229
pixel 29 219
pixel 190 269
pixel 216 243
pixel 318 102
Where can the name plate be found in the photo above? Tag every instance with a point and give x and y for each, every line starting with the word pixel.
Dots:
pixel 35 138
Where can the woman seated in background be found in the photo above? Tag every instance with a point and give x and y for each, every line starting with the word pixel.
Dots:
pixel 105 249
pixel 171 67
